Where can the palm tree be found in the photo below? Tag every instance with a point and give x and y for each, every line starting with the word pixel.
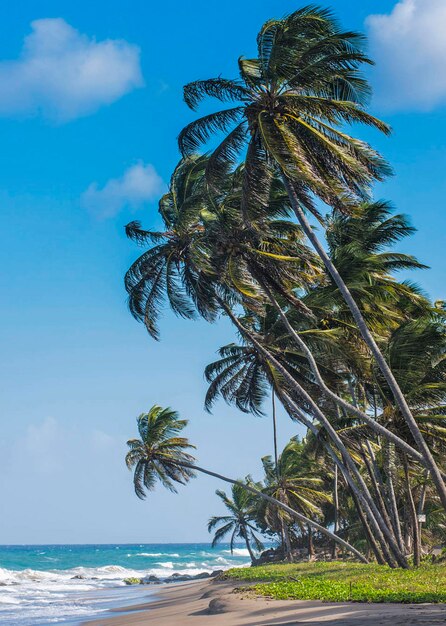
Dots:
pixel 161 455
pixel 239 522
pixel 293 481
pixel 291 101
pixel 165 271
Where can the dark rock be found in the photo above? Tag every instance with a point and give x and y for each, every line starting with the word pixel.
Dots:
pixel 201 575
pixel 217 606
pixel 78 577
pixel 175 577
pixel 150 580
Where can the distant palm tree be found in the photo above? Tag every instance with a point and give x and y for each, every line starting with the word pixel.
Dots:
pixel 294 482
pixel 161 455
pixel 239 522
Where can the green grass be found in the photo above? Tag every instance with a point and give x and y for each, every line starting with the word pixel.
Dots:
pixel 341 582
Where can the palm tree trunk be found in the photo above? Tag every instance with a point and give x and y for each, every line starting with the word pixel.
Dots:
pixel 276 457
pixel 287 541
pixel 285 536
pixel 368 533
pixel 336 509
pixel 389 461
pixel 310 542
pixel 248 546
pixel 413 516
pixel 281 505
pixel 370 341
pixel 379 526
pixel 379 499
pixel 377 474
pixel 420 509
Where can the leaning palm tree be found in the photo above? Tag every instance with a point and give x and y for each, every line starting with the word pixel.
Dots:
pixel 291 101
pixel 161 455
pixel 239 522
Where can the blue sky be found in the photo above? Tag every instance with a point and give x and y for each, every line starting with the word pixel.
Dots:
pixel 83 153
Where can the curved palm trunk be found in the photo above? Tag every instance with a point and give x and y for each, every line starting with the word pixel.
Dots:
pixel 379 526
pixel 281 505
pixel 371 343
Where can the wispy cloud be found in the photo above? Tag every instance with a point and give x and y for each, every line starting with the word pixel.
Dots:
pixel 64 74
pixel 140 183
pixel 409 46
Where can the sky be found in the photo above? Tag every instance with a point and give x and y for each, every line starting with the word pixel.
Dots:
pixel 90 108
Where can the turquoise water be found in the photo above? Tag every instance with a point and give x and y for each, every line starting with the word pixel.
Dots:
pixel 71 583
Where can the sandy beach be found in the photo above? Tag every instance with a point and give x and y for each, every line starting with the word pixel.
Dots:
pixel 215 604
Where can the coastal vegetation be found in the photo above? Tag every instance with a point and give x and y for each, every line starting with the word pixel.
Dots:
pixel 354 352
pixel 342 582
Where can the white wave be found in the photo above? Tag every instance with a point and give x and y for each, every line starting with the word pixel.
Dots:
pixel 4 599
pixel 237 552
pixel 82 578
pixel 154 554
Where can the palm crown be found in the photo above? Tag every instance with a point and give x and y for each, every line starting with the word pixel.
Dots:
pixel 160 453
pixel 294 482
pixel 293 97
pixel 239 521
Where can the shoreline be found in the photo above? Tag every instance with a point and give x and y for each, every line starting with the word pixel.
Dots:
pixel 215 603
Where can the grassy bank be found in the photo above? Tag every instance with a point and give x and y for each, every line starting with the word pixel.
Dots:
pixel 340 582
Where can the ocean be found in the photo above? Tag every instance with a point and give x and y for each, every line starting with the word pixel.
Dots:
pixel 68 584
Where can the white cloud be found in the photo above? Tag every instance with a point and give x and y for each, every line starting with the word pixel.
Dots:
pixel 64 74
pixel 409 46
pixel 139 184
